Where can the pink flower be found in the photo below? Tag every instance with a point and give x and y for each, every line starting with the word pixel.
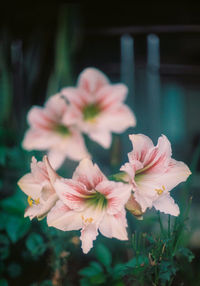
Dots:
pixel 38 186
pixel 90 202
pixel 49 130
pixel 97 107
pixel 153 173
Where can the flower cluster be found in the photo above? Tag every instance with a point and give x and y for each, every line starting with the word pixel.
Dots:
pixel 89 201
pixel 95 107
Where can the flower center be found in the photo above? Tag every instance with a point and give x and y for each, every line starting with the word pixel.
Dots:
pixel 62 129
pixel 97 199
pixel 90 111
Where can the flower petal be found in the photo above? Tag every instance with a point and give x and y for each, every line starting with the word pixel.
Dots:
pixel 72 193
pixel 56 157
pixel 75 146
pixel 63 218
pixel 141 145
pixel 77 97
pixel 118 119
pixel 114 226
pixel 39 140
pixel 104 138
pixel 32 211
pixel 166 204
pixel 47 206
pixel 39 119
pixel 88 174
pixel 91 80
pixel 158 157
pixel 111 95
pixel 56 106
pixel 29 186
pixel 88 234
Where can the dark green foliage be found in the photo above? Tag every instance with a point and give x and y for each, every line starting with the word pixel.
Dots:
pixel 36 245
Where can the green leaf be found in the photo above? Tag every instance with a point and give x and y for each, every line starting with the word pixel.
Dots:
pixel 167 270
pixel 35 244
pixel 3 282
pixel 3 152
pixel 98 279
pixel 187 253
pixel 92 270
pixel 4 246
pixel 103 255
pixel 15 204
pixel 119 271
pixel 85 282
pixel 4 219
pixel 14 270
pixel 17 227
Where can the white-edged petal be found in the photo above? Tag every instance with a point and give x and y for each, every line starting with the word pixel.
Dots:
pixel 88 235
pixel 165 203
pixel 114 226
pixel 63 218
pixel 91 80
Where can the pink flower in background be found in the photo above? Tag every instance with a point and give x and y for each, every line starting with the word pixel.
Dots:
pixel 153 173
pixel 97 107
pixel 50 130
pixel 38 186
pixel 90 202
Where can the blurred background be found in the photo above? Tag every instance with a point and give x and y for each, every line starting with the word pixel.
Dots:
pixel 154 48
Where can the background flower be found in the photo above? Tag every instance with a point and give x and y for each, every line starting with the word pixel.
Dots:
pixel 97 106
pixel 49 130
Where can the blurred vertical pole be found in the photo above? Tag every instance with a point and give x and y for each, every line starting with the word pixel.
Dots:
pixel 153 86
pixel 18 84
pixel 128 67
pixel 128 78
pixel 174 121
pixel 61 75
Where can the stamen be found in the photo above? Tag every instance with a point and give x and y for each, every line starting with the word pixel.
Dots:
pixel 160 191
pixel 87 220
pixel 30 201
pixel 37 201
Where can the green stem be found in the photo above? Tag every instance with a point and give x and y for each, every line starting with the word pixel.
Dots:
pixel 161 224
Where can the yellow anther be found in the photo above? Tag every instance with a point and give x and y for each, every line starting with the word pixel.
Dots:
pixel 87 220
pixel 30 201
pixel 160 191
pixel 37 201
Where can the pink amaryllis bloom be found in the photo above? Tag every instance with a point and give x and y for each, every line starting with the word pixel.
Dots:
pixel 97 106
pixel 50 130
pixel 153 173
pixel 90 202
pixel 38 186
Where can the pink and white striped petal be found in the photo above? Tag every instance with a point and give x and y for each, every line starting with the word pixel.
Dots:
pixel 92 80
pixel 88 174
